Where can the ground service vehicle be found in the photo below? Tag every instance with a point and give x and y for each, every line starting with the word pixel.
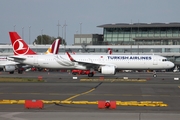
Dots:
pixel 80 72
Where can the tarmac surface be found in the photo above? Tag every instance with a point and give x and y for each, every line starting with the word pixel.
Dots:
pixel 65 86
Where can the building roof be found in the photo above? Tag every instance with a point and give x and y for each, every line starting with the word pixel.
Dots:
pixel 140 25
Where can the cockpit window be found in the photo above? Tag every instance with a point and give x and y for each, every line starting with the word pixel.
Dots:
pixel 164 59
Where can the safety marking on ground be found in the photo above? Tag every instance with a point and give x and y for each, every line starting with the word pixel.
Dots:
pixel 118 103
pixel 113 80
pixel 51 94
pixel 83 93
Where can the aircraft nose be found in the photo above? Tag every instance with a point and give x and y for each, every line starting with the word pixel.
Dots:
pixel 171 64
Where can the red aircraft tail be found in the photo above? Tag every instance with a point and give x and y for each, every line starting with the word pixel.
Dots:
pixel 109 51
pixel 19 45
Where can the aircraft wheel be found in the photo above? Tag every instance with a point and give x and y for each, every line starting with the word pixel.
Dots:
pixel 20 71
pixel 74 73
pixel 154 75
pixel 12 72
pixel 91 74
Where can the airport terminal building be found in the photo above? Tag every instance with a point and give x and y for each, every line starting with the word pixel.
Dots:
pixel 141 34
pixel 133 34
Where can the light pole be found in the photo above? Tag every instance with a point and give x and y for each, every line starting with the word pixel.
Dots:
pixel 29 34
pixel 41 36
pixel 58 27
pixel 14 27
pixel 65 31
pixel 62 34
pixel 80 27
pixel 22 32
pixel 80 30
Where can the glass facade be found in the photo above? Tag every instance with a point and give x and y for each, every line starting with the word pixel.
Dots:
pixel 88 39
pixel 142 35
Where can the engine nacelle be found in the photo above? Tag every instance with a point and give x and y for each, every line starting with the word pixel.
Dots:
pixel 108 70
pixel 9 68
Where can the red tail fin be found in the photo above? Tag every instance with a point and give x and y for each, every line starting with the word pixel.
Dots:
pixel 109 51
pixel 19 45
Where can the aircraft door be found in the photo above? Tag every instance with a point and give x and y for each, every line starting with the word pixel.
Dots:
pixel 35 60
pixel 155 60
pixel 101 59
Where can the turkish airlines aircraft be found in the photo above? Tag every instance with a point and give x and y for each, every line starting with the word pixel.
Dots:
pixel 105 64
pixel 10 66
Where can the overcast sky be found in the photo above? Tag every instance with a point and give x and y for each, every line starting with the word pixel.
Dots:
pixel 43 16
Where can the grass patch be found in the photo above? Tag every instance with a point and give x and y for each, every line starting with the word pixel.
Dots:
pixel 10 79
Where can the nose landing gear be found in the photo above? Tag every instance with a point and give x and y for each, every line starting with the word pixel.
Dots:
pixel 154 74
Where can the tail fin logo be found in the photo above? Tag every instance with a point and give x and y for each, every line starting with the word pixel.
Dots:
pixel 48 51
pixel 54 48
pixel 19 47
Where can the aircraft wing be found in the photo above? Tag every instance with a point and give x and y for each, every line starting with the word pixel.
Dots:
pixel 16 58
pixel 88 64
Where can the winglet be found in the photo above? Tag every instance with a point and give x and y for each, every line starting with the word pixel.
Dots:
pixel 19 45
pixel 54 48
pixel 70 57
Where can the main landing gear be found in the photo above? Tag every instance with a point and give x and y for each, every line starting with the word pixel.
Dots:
pixel 20 70
pixel 12 72
pixel 91 74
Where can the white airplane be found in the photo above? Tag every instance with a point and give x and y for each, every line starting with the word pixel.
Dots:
pixel 105 64
pixel 10 66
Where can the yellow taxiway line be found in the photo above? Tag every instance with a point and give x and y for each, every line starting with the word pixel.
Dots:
pixel 118 103
pixel 79 94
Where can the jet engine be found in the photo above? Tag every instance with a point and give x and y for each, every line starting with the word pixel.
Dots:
pixel 108 70
pixel 9 68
